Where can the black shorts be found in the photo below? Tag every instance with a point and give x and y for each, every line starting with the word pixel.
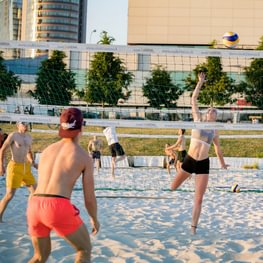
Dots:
pixel 96 154
pixel 171 161
pixel 191 165
pixel 181 155
pixel 116 150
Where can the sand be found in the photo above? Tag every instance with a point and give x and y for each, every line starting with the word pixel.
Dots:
pixel 154 225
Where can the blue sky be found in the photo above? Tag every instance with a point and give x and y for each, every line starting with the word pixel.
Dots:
pixel 110 16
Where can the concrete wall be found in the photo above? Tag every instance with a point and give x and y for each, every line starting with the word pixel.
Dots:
pixel 159 161
pixel 194 22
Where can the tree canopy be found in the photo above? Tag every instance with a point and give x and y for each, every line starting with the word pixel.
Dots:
pixel 160 90
pixel 219 87
pixel 9 82
pixel 108 79
pixel 55 84
pixel 252 87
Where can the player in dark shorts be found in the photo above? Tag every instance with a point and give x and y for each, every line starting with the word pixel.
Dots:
pixel 114 146
pixel 179 146
pixel 197 159
pixel 94 148
pixel 116 150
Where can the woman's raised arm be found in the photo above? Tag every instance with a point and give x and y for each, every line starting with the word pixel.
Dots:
pixel 195 109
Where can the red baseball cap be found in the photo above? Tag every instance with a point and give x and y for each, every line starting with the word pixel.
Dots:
pixel 71 121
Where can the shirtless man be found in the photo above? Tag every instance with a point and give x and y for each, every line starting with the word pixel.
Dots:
pixel 171 158
pixel 94 148
pixel 18 169
pixel 50 208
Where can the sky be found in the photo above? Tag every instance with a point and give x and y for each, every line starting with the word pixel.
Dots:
pixel 110 16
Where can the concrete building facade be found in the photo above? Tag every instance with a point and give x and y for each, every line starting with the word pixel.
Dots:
pixel 191 22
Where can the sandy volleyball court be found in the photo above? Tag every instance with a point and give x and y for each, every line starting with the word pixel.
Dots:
pixel 153 225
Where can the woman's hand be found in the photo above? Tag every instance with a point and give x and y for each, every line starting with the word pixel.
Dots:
pixel 201 77
pixel 224 166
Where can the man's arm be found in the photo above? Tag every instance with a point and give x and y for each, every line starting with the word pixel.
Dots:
pixel 100 145
pixel 89 195
pixel 3 149
pixel 174 146
pixel 89 146
pixel 30 158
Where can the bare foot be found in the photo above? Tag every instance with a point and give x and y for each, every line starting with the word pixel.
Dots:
pixel 193 228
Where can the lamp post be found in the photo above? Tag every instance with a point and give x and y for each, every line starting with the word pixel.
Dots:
pixel 93 31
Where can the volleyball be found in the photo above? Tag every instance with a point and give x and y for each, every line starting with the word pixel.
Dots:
pixel 235 188
pixel 121 101
pixel 230 39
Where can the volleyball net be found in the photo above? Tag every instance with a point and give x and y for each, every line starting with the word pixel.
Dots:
pixel 122 84
pixel 144 91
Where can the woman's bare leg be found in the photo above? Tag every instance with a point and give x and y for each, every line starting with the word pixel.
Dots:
pixel 179 179
pixel 201 181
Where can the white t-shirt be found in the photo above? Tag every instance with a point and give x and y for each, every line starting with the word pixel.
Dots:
pixel 110 135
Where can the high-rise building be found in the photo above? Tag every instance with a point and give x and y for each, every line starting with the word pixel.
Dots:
pixel 56 21
pixel 10 19
pixel 192 22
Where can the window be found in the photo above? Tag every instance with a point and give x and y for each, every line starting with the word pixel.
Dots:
pixel 144 62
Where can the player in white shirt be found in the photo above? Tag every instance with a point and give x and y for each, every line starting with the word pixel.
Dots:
pixel 115 148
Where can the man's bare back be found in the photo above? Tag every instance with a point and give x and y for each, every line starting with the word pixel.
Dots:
pixel 61 164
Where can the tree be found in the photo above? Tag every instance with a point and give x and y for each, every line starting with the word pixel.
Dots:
pixel 9 83
pixel 107 79
pixel 252 87
pixel 160 90
pixel 55 84
pixel 219 87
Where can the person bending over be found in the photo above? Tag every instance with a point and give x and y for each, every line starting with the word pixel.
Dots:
pixel 179 146
pixel 171 158
pixel 115 147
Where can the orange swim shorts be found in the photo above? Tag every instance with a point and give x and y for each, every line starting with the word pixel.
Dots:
pixel 51 212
